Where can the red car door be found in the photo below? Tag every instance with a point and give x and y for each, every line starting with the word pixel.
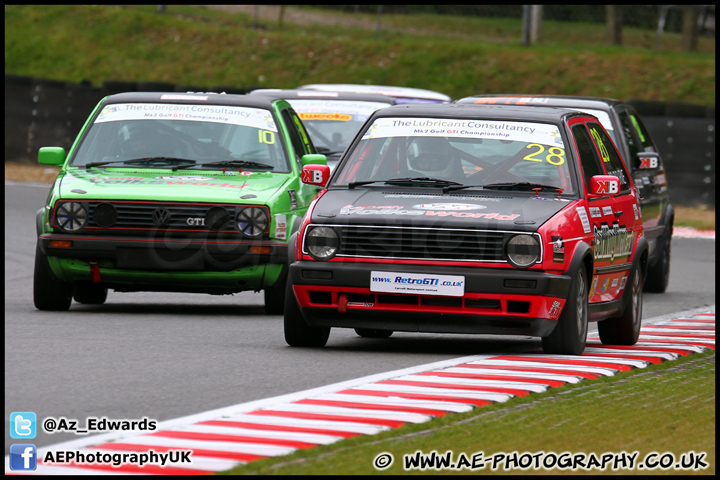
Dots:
pixel 613 219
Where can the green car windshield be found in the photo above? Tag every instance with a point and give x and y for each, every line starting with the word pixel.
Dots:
pixel 145 135
pixel 457 154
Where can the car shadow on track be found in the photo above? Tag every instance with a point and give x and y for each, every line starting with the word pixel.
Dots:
pixel 459 345
pixel 180 310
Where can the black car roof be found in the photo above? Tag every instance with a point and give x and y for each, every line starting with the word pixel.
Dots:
pixel 256 101
pixel 575 101
pixel 323 95
pixel 487 112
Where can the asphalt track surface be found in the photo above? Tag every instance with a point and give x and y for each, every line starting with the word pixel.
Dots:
pixel 219 440
pixel 106 362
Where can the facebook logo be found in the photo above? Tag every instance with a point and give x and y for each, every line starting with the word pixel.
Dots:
pixel 23 425
pixel 23 456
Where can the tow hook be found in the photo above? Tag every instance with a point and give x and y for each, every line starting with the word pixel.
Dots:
pixel 94 271
pixel 342 303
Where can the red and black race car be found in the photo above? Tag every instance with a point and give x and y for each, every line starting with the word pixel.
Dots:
pixel 471 219
pixel 641 155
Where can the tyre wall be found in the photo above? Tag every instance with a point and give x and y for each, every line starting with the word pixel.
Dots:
pixel 41 112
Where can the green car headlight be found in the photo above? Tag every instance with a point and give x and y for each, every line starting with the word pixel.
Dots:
pixel 253 221
pixel 71 216
pixel 523 251
pixel 322 243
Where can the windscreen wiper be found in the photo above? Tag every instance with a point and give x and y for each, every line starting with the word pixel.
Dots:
pixel 414 182
pixel 509 185
pixel 154 161
pixel 461 187
pixel 230 164
pixel 365 182
pixel 520 186
pixel 328 151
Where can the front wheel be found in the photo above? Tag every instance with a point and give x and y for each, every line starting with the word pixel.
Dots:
pixel 297 332
pixel 90 294
pixel 275 296
pixel 625 330
pixel 49 292
pixel 570 334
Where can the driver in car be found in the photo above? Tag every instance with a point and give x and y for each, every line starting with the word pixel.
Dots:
pixel 434 157
pixel 138 142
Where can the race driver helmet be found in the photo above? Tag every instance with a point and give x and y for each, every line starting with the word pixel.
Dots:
pixel 138 141
pixel 433 157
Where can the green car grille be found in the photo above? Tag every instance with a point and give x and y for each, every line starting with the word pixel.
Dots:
pixel 139 217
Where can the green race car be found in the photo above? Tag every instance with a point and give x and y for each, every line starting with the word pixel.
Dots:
pixel 174 192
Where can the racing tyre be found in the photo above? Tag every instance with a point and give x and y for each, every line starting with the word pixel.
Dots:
pixel 275 295
pixel 90 294
pixel 658 276
pixel 373 332
pixel 49 292
pixel 625 330
pixel 297 332
pixel 570 333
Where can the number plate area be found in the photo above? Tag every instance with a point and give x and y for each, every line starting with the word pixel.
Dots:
pixel 417 284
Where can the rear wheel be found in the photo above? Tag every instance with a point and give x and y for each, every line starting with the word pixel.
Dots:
pixel 570 334
pixel 297 332
pixel 658 276
pixel 49 292
pixel 625 330
pixel 373 332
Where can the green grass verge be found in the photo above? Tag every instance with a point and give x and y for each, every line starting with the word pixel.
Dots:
pixel 701 217
pixel 665 409
pixel 459 56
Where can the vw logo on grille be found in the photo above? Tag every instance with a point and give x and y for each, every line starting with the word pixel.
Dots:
pixel 161 216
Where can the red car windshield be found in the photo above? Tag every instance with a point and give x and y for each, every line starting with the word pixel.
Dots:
pixel 466 152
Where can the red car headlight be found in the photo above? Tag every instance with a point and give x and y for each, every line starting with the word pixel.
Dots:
pixel 523 251
pixel 322 243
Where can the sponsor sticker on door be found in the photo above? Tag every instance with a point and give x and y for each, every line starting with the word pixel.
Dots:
pixel 417 284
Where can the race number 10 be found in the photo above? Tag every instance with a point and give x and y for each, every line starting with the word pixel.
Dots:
pixel 266 136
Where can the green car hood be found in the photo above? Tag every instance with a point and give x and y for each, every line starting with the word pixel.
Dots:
pixel 164 185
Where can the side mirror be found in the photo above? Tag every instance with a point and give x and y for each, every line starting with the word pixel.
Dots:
pixel 315 174
pixel 604 186
pixel 53 156
pixel 648 160
pixel 313 159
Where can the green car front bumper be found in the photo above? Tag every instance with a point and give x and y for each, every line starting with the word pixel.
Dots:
pixel 142 264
